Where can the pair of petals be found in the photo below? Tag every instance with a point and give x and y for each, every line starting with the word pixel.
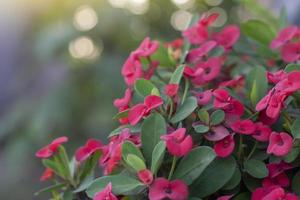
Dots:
pixel 50 149
pixel 284 36
pixel 262 132
pixel 178 143
pixel 137 112
pixel 105 194
pixel 228 36
pixel 225 147
pixel 171 90
pixel 246 127
pixel 272 193
pixel 280 144
pixel 164 189
pixel 84 152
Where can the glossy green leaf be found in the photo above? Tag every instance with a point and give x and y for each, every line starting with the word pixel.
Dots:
pixel 295 129
pixel 217 117
pixel 258 31
pixel 135 162
pixel 214 177
pixel 121 184
pixel 203 116
pixel 257 84
pixel 144 88
pixel 292 67
pixel 250 182
pixel 193 164
pixel 121 114
pixel 256 168
pixel 129 147
pixel 292 155
pixel 162 55
pixel 296 183
pixel 153 128
pixel 133 129
pixel 177 75
pixel 189 105
pixel 158 156
pixel 234 181
pixel 200 128
pixel 50 188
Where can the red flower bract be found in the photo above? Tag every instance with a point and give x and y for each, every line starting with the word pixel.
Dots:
pixel 280 144
pixel 92 145
pixel 246 126
pixel 225 147
pixel 164 189
pixel 145 176
pixel 171 90
pixel 178 143
pixel 47 174
pixel 105 194
pixel 50 149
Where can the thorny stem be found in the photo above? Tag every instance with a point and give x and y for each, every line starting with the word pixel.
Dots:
pixel 172 167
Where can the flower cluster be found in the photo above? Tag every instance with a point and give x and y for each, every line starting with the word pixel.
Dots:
pixel 197 120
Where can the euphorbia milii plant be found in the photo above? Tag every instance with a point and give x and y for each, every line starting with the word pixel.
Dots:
pixel 210 115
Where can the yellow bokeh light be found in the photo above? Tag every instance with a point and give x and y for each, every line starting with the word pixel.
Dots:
pixel 84 48
pixel 85 18
pixel 118 3
pixel 184 4
pixel 181 19
pixel 138 7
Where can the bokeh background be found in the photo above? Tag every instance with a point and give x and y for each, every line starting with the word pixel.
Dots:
pixel 60 64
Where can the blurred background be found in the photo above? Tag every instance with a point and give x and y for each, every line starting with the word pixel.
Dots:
pixel 60 64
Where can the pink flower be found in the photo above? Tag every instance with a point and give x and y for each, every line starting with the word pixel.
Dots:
pixel 105 194
pixel 91 146
pixel 123 102
pixel 164 189
pixel 137 112
pixel 203 98
pixel 280 144
pixel 175 44
pixel 262 132
pixel 225 147
pixel 47 174
pixel 151 69
pixel 228 36
pixel 276 76
pixel 199 33
pixel 225 197
pixel 284 36
pixel 171 90
pixel 238 81
pixel 272 193
pixel 246 126
pixel 178 143
pixel 112 152
pixel 50 149
pixel 132 69
pixel 216 133
pixel 145 176
pixel 290 84
pixel 196 54
pixel 147 47
pixel 193 72
pixel 290 52
pixel 276 176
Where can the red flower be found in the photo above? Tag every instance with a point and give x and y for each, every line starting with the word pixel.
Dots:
pixel 145 176
pixel 290 84
pixel 195 55
pixel 246 126
pixel 228 36
pixel 276 76
pixel 203 98
pixel 178 144
pixel 164 189
pixel 272 193
pixel 224 147
pixel 290 52
pixel 284 36
pixel 112 152
pixel 83 153
pixel 262 132
pixel 137 112
pixel 225 197
pixel 50 149
pixel 132 69
pixel 276 176
pixel 105 194
pixel 147 47
pixel 280 144
pixel 47 174
pixel 123 102
pixel 171 89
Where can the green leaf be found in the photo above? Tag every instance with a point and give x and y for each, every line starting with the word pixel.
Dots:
pixel 177 75
pixel 189 105
pixel 234 181
pixel 121 184
pixel 152 128
pixel 217 51
pixel 203 115
pixel 50 188
pixel 129 147
pixel 257 84
pixel 162 55
pixel 158 156
pixel 85 183
pixel 193 164
pixel 242 196
pixel 256 168
pixel 292 67
pixel 217 117
pixel 295 129
pixel 144 88
pixel 258 31
pixel 200 128
pixel 121 114
pixel 54 166
pixel 250 182
pixel 292 155
pixel 133 129
pixel 296 183
pixel 135 162
pixel 90 165
pixel 214 177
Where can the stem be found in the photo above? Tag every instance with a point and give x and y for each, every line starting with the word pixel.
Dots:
pixel 186 87
pixel 252 151
pixel 171 108
pixel 172 167
pixel 240 151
